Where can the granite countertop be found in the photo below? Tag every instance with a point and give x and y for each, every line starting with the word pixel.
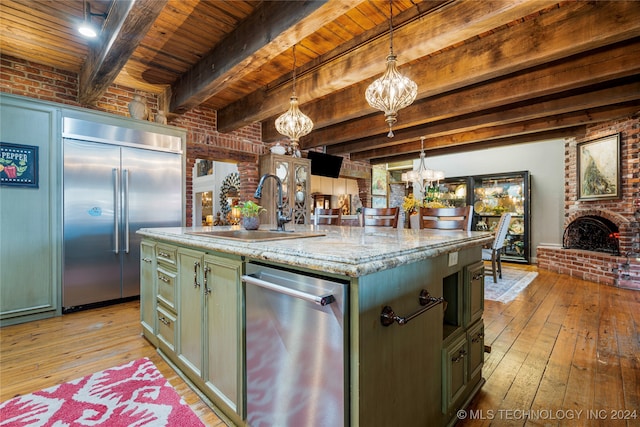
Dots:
pixel 350 251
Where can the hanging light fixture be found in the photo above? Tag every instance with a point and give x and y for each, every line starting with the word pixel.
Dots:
pixel 392 91
pixel 294 123
pixel 423 176
pixel 87 27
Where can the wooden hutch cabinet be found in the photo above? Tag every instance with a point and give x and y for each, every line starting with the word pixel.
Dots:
pixel 295 174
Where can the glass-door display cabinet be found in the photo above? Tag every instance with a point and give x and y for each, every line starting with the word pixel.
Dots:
pixel 492 195
pixel 453 191
pixel 295 175
pixel 498 193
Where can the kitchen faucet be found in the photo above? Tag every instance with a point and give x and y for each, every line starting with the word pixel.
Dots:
pixel 281 218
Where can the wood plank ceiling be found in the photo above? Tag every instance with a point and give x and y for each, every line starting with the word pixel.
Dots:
pixel 488 72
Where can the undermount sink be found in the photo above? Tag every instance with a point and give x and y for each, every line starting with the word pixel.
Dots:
pixel 257 235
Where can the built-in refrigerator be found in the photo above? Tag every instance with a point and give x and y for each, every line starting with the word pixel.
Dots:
pixel 115 181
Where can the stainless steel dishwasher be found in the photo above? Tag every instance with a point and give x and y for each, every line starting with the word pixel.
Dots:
pixel 295 348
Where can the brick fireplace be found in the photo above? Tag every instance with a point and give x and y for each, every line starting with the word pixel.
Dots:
pixel 588 262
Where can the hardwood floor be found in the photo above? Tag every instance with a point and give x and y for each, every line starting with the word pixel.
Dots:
pixel 566 352
pixel 564 348
pixel 44 353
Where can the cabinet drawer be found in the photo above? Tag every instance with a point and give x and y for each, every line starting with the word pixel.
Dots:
pixel 166 254
pixel 167 329
pixel 166 286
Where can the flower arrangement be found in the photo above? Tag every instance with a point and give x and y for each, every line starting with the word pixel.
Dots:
pixel 411 205
pixel 250 209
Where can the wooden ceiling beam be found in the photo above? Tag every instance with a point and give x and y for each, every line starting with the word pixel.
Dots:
pixel 574 73
pixel 575 131
pixel 273 28
pixel 125 26
pixel 546 38
pixel 625 91
pixel 436 30
pixel 538 127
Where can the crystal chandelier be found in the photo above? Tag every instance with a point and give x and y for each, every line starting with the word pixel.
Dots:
pixel 294 123
pixel 423 176
pixel 392 91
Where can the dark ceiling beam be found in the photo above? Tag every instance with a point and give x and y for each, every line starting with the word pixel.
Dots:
pixel 273 28
pixel 575 131
pixel 437 30
pixel 503 52
pixel 625 91
pixel 576 72
pixel 126 25
pixel 535 128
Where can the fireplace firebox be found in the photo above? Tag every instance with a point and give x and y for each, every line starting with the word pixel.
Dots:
pixel 592 233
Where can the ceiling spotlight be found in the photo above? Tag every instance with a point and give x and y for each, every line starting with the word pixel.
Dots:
pixel 87 27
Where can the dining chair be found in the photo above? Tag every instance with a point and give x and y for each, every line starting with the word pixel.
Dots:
pixel 446 218
pixel 492 253
pixel 327 216
pixel 380 217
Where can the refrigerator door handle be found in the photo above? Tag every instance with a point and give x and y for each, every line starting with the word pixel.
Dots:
pixel 125 178
pixel 116 209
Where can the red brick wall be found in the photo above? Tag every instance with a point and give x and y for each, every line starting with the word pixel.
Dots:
pixel 602 268
pixel 243 146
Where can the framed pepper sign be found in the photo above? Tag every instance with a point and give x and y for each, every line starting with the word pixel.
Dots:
pixel 18 165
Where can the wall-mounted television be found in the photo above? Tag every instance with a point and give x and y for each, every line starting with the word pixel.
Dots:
pixel 325 164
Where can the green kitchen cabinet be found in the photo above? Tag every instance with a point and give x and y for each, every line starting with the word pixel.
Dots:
pixel 148 289
pixel 209 344
pixel 473 293
pixel 30 216
pixel 463 339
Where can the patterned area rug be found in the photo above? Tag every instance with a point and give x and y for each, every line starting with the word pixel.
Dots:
pixel 512 283
pixel 134 394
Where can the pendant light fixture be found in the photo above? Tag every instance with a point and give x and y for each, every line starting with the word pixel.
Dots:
pixel 392 91
pixel 294 123
pixel 423 176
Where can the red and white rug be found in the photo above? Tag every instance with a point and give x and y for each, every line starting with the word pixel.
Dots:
pixel 134 394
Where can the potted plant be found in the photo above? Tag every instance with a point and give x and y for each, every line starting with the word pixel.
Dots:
pixel 250 211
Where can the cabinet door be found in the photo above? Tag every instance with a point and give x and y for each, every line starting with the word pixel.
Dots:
pixel 454 375
pixel 223 349
pixel 190 310
pixel 475 337
pixel 474 293
pixel 301 182
pixel 295 175
pixel 148 289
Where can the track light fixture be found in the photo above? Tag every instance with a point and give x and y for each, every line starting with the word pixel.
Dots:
pixel 87 28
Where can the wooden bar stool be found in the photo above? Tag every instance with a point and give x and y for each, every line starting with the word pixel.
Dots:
pixel 446 218
pixel 380 217
pixel 327 216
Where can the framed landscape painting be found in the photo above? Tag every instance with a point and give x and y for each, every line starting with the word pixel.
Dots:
pixel 598 164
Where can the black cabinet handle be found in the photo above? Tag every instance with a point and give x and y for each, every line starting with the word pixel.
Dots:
pixel 388 316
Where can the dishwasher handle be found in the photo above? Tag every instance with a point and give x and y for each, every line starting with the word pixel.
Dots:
pixel 316 299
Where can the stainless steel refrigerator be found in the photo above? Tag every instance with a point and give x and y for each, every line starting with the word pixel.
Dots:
pixel 116 181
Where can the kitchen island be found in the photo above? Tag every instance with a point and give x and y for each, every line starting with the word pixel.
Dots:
pixel 410 343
